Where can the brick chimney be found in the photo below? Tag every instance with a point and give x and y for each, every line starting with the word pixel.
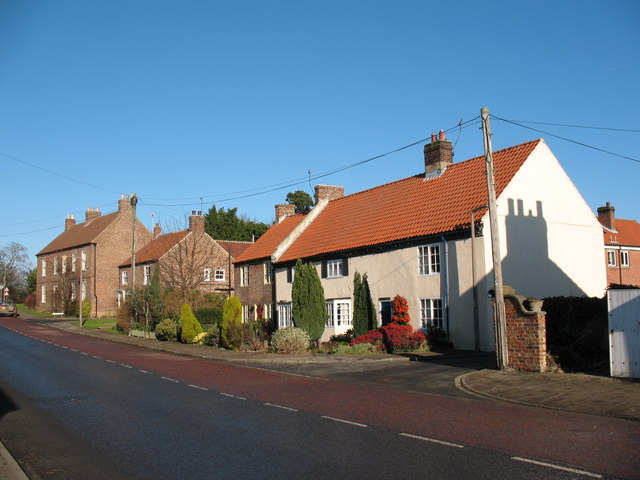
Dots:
pixel 69 222
pixel 91 213
pixel 328 192
pixel 438 154
pixel 196 222
pixel 607 216
pixel 284 210
pixel 157 231
pixel 124 203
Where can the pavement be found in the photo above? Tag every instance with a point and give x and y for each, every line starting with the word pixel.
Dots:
pixel 577 393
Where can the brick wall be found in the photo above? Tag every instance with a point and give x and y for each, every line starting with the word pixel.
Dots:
pixel 624 275
pixel 526 335
pixel 257 292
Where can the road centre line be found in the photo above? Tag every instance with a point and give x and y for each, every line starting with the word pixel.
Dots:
pixel 96 357
pixel 345 421
pixel 232 396
pixel 110 361
pixel 432 440
pixel 144 371
pixel 84 353
pixel 281 406
pixel 557 467
pixel 196 386
pixel 170 379
pixel 125 365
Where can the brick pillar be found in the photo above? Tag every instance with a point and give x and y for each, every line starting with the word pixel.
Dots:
pixel 526 334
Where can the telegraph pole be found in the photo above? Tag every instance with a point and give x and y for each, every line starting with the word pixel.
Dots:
pixel 134 202
pixel 499 313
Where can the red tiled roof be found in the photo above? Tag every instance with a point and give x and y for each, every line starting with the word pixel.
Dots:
pixel 270 240
pixel 628 233
pixel 156 248
pixel 80 234
pixel 233 247
pixel 408 208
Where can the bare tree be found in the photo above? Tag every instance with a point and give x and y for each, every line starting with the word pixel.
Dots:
pixel 15 265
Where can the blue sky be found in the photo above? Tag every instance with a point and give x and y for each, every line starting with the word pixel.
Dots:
pixel 181 100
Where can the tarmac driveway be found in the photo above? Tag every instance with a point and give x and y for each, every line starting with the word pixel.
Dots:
pixel 433 375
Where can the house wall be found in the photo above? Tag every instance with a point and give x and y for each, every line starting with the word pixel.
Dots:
pixel 258 291
pixel 624 275
pixel 395 272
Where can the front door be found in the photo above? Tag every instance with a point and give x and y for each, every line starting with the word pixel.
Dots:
pixel 385 311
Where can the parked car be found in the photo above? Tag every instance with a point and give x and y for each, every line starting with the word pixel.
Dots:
pixel 8 308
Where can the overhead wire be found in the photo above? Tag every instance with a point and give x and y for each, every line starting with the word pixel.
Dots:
pixel 566 139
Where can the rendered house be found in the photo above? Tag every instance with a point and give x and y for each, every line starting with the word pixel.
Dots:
pixel 412 237
pixel 622 247
pixel 188 260
pixel 83 260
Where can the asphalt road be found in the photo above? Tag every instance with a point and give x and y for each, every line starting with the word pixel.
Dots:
pixel 75 407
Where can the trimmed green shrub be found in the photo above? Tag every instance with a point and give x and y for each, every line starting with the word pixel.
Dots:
pixel 358 349
pixel 167 330
pixel 213 336
pixel 86 309
pixel 190 325
pixel 290 340
pixel 209 315
pixel 232 331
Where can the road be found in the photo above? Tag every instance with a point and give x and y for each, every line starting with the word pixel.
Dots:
pixel 74 407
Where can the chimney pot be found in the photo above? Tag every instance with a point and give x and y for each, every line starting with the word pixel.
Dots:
pixel 442 135
pixel 157 231
pixel 438 154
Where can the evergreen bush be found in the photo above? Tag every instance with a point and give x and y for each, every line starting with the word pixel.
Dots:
pixel 232 331
pixel 189 323
pixel 308 305
pixel 167 330
pixel 290 341
pixel 213 336
pixel 209 315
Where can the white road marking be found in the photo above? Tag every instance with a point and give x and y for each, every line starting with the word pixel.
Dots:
pixel 432 440
pixel 170 379
pixel 96 357
pixel 84 353
pixel 557 467
pixel 281 406
pixel 345 421
pixel 125 365
pixel 199 388
pixel 232 396
pixel 111 361
pixel 144 371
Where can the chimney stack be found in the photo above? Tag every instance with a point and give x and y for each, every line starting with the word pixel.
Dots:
pixel 157 231
pixel 196 222
pixel 328 192
pixel 438 154
pixel 91 213
pixel 284 210
pixel 607 216
pixel 124 203
pixel 69 222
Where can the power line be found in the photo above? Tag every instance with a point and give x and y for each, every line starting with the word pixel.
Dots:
pixel 632 130
pixel 567 139
pixel 56 173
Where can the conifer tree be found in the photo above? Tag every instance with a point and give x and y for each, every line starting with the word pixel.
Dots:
pixel 372 317
pixel 189 323
pixel 360 307
pixel 232 323
pixel 308 307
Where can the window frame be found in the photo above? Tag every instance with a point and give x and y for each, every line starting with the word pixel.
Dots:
pixel 624 258
pixel 267 272
pixel 285 318
pixel 429 310
pixel 83 260
pixel 335 313
pixel 217 276
pixel 43 294
pixel 146 278
pixel 55 265
pixel 611 258
pixel 43 267
pixel 428 259
pixel 124 277
pixel 244 275
pixel 206 275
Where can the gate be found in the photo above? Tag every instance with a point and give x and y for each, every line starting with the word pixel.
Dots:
pixel 624 332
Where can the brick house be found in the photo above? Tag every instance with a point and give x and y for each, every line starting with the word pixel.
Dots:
pixel 622 247
pixel 91 250
pixel 188 260
pixel 254 280
pixel 413 237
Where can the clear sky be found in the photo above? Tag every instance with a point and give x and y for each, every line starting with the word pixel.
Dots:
pixel 201 102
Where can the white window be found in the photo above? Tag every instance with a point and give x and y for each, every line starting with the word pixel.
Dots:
pixel 624 258
pixel 147 275
pixel 611 258
pixel 339 313
pixel 428 259
pixel 334 268
pixel 73 262
pixel 284 315
pixel 55 265
pixel 207 275
pixel 64 265
pixel 122 296
pixel 43 295
pixel 291 273
pixel 73 291
pixel 43 265
pixel 246 314
pixel 268 272
pixel 125 277
pixel 267 311
pixel 219 275
pixel 244 275
pixel 83 260
pixel 83 293
pixel 431 312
